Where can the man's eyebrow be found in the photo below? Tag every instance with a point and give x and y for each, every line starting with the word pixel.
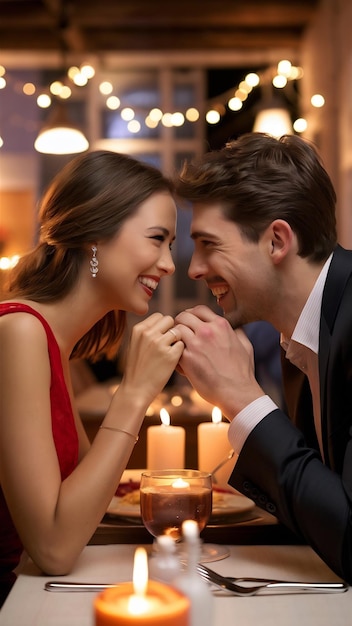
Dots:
pixel 202 233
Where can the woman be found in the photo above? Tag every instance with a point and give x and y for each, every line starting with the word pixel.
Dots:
pixel 107 223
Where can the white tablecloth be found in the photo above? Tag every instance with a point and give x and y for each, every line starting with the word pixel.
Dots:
pixel 29 605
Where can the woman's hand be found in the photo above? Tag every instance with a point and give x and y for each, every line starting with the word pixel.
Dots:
pixel 153 353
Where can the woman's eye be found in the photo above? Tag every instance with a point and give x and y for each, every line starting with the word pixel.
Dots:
pixel 158 237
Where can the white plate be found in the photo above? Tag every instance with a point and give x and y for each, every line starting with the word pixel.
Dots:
pixel 230 504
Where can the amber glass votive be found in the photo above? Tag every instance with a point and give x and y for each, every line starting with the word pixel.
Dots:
pixel 162 605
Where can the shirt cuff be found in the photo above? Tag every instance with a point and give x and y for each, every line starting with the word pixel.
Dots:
pixel 247 419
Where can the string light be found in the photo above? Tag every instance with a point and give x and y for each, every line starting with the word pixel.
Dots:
pixel 234 100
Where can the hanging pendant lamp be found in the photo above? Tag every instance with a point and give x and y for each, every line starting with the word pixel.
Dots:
pixel 59 135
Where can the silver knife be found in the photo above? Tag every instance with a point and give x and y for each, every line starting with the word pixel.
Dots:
pixel 56 585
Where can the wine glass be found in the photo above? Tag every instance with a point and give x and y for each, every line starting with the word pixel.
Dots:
pixel 169 497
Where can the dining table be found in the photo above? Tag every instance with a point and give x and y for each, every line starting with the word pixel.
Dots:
pixel 243 539
pixel 29 604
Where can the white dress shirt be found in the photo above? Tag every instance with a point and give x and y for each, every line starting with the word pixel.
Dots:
pixel 302 350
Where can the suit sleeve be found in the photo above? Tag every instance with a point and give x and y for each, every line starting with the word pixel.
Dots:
pixel 294 485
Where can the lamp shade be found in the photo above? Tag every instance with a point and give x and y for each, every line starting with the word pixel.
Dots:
pixel 273 118
pixel 59 135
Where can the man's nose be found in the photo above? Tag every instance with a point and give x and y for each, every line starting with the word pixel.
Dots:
pixel 197 268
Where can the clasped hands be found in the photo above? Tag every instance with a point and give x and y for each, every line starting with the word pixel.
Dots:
pixel 217 360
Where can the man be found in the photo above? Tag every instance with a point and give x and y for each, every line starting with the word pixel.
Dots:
pixel 265 242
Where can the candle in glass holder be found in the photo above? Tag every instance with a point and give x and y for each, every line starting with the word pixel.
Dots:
pixel 213 446
pixel 142 602
pixel 165 444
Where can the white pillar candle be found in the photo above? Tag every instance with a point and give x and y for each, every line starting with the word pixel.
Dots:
pixel 165 445
pixel 213 446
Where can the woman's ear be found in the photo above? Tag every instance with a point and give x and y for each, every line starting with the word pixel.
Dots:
pixel 282 239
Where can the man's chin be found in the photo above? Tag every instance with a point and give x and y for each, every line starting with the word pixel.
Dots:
pixel 232 318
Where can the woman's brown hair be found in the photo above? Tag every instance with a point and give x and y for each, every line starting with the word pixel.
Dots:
pixel 87 201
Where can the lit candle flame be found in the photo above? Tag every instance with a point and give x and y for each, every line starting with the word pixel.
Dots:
pixel 165 417
pixel 216 415
pixel 179 483
pixel 138 603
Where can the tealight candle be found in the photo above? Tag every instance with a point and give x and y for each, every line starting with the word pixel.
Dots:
pixel 142 602
pixel 213 445
pixel 165 444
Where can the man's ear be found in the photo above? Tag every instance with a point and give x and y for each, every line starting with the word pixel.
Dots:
pixel 282 239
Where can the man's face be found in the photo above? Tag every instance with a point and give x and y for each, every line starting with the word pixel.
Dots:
pixel 238 272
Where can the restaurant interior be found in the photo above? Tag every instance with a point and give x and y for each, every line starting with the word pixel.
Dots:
pixel 166 82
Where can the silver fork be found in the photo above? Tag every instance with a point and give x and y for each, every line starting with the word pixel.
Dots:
pixel 229 584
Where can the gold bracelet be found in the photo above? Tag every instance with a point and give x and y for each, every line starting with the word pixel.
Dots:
pixel 119 430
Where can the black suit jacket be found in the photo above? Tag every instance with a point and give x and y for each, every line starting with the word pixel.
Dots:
pixel 280 466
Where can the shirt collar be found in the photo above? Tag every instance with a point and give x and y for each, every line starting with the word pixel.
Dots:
pixel 306 331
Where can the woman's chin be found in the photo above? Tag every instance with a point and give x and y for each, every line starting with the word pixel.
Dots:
pixel 140 310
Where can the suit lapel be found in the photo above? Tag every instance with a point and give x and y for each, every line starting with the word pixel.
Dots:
pixel 339 272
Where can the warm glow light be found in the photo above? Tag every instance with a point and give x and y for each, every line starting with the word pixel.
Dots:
pixel 166 120
pixel 241 95
pixel 296 73
pixel 317 100
pixel 245 86
pixel 176 400
pixel 179 483
pixel 113 103
pixel 275 122
pixel 235 104
pixel 1 142
pixel 127 114
pixel 155 115
pixel 165 417
pixel 252 79
pixel 56 87
pixel 134 126
pixel 284 67
pixel 105 88
pixel 88 70
pixel 29 89
pixel 138 603
pixel 192 114
pixel 178 119
pixel 80 80
pixel 150 122
pixel 72 72
pixel 65 92
pixel 300 125
pixel 61 140
pixel 212 116
pixel 279 81
pixel 2 82
pixel 6 262
pixel 140 571
pixel 43 101
pixel 2 70
pixel 216 415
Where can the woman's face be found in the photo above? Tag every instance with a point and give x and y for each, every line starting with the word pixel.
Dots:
pixel 133 262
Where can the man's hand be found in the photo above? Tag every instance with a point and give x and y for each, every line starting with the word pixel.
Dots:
pixel 217 360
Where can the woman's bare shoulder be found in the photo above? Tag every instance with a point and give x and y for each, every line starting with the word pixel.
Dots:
pixel 21 324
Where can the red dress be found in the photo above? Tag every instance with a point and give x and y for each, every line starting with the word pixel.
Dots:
pixel 66 443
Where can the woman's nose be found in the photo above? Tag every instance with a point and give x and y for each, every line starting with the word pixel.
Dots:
pixel 167 263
